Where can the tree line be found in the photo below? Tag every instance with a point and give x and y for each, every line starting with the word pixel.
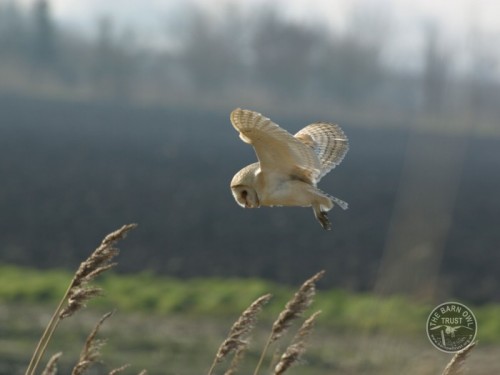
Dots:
pixel 259 55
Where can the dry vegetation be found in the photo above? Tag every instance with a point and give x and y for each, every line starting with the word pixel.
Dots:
pixel 78 293
pixel 235 344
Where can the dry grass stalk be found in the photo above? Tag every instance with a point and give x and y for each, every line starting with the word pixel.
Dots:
pixel 143 372
pixel 78 292
pixel 118 370
pixel 293 310
pixel 455 366
pixel 236 338
pixel 91 351
pixel 298 346
pixel 51 367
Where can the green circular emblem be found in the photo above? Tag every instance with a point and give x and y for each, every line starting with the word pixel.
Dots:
pixel 451 326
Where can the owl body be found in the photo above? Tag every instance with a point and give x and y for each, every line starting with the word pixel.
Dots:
pixel 273 189
pixel 289 166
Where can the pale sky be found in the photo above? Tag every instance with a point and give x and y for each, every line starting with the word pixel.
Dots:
pixel 455 19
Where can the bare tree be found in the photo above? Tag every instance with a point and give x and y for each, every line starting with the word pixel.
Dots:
pixel 349 66
pixel 284 54
pixel 212 51
pixel 44 34
pixel 113 67
pixel 435 72
pixel 13 30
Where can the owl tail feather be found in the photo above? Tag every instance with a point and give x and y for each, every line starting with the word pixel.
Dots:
pixel 342 204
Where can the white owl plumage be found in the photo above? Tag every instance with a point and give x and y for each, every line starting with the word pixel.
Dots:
pixel 289 166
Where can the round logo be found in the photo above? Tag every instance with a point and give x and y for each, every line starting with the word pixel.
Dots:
pixel 451 326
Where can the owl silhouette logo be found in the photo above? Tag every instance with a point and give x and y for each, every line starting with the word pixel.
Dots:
pixel 451 327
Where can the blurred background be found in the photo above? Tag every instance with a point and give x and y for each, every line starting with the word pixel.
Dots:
pixel 116 112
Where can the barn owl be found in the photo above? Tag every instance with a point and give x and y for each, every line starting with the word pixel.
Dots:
pixel 289 166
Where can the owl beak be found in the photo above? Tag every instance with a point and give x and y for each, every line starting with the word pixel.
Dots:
pixel 248 205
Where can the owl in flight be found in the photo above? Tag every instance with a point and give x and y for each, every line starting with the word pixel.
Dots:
pixel 289 166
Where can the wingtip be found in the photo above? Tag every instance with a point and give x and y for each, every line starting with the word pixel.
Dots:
pixel 234 111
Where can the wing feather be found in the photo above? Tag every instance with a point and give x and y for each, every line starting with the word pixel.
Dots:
pixel 328 142
pixel 276 149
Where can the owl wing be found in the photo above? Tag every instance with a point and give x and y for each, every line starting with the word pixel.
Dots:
pixel 276 149
pixel 328 142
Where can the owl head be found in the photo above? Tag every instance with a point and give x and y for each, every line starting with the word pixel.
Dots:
pixel 243 187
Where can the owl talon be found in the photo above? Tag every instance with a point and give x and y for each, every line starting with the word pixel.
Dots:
pixel 323 220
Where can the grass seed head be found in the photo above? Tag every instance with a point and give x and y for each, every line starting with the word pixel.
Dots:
pixel 241 328
pixel 455 366
pixel 51 368
pixel 298 346
pixel 296 306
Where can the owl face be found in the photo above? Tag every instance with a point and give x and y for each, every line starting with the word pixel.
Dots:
pixel 243 186
pixel 245 196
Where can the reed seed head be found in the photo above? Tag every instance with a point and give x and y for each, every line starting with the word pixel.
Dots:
pixel 77 299
pixel 91 351
pixel 455 366
pixel 51 368
pixel 98 262
pixel 295 307
pixel 298 346
pixel 241 328
pixel 119 369
pixel 238 357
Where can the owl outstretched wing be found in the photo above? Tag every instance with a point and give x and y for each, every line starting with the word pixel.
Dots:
pixel 277 150
pixel 328 142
